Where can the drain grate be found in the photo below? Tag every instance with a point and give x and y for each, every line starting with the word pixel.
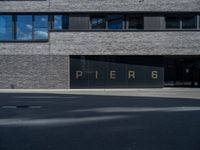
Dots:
pixel 21 106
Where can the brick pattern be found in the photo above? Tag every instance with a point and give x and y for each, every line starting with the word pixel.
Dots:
pixel 110 43
pixel 36 71
pixel 125 43
pixel 124 5
pixel 99 5
pixel 26 48
pixel 24 6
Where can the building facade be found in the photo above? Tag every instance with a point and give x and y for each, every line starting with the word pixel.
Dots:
pixel 66 44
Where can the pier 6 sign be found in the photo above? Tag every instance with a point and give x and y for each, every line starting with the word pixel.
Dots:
pixel 106 72
pixel 131 75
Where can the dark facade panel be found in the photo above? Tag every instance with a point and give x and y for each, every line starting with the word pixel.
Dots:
pixel 154 23
pixel 78 21
pixel 116 71
pixel 182 71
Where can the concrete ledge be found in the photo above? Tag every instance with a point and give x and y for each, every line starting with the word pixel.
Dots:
pixel 99 90
pixel 182 93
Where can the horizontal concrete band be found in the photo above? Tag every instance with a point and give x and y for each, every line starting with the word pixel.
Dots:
pixel 110 43
pixel 96 5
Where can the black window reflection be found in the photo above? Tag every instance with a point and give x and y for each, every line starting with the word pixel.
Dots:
pixel 115 21
pixel 6 30
pixel 172 22
pixel 24 27
pixel 41 27
pixel 60 22
pixel 189 22
pixel 136 22
pixel 98 22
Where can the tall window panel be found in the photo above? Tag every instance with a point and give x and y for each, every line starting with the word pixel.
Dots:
pixel 189 22
pixel 24 26
pixel 115 21
pixel 172 22
pixel 98 22
pixel 135 22
pixel 41 27
pixel 6 27
pixel 199 20
pixel 60 22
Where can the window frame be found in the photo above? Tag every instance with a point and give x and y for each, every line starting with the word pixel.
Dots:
pixel 32 38
pixel 189 15
pixel 97 16
pixel 106 21
pixel 173 15
pixel 128 21
pixel 181 15
pixel 52 19
pixel 12 26
pixel 123 21
pixel 34 27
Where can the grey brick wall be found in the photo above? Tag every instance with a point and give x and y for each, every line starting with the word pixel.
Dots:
pixel 125 43
pixel 25 48
pixel 110 43
pixel 34 71
pixel 100 5
pixel 24 6
pixel 125 5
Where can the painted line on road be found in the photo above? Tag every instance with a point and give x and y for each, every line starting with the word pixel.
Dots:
pixel 8 107
pixel 45 97
pixel 20 106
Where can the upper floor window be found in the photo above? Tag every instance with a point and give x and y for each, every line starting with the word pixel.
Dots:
pixel 172 22
pixel 98 22
pixel 181 22
pixel 41 27
pixel 135 22
pixel 24 24
pixel 107 22
pixel 30 27
pixel 189 22
pixel 60 22
pixel 115 21
pixel 6 27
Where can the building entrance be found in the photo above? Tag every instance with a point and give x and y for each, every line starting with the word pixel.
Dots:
pixel 182 71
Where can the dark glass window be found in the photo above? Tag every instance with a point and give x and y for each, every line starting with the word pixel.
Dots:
pixel 24 27
pixel 172 22
pixel 6 30
pixel 115 21
pixel 189 22
pixel 98 22
pixel 135 22
pixel 41 27
pixel 60 22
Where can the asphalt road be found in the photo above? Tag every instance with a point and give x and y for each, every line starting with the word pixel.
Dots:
pixel 96 122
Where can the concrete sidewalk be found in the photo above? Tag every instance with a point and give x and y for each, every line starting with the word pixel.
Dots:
pixel 149 92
